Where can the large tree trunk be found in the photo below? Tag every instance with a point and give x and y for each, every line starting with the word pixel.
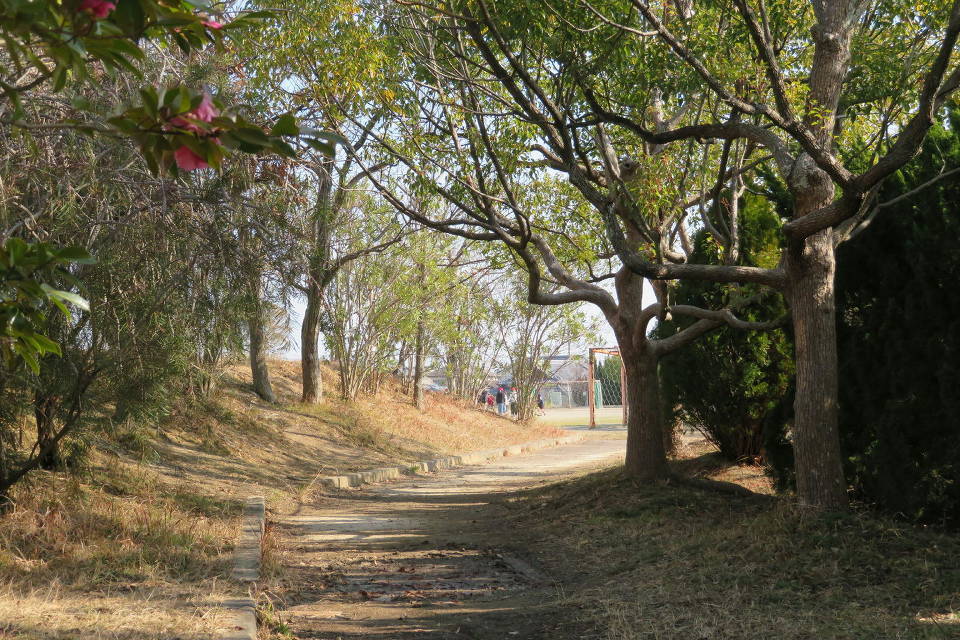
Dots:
pixel 310 348
pixel 418 399
pixel 810 267
pixel 258 353
pixel 646 458
pixel 816 439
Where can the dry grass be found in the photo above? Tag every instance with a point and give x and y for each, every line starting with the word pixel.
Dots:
pixel 390 424
pixel 138 547
pixel 279 449
pixel 672 561
pixel 58 613
pixel 271 554
pixel 122 557
pixel 699 458
pixel 128 529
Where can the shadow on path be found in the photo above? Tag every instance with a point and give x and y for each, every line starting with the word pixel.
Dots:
pixel 428 557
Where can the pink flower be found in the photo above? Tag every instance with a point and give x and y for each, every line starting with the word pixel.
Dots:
pixel 99 9
pixel 188 160
pixel 211 24
pixel 205 112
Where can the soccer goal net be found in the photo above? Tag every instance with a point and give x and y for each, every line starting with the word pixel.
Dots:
pixel 585 389
pixel 606 386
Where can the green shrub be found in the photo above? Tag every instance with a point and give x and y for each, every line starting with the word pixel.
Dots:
pixel 898 309
pixel 728 383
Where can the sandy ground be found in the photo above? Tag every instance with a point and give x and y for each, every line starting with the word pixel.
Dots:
pixel 426 558
pixel 580 416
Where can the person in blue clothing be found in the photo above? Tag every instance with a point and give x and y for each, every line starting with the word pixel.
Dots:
pixel 501 401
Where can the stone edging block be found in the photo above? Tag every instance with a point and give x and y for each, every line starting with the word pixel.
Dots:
pixel 385 474
pixel 246 568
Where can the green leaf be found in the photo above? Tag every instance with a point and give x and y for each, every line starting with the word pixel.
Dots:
pixel 130 16
pixel 45 344
pixel 150 100
pixel 330 136
pixel 251 135
pixel 62 307
pixel 286 125
pixel 67 296
pixel 323 147
pixel 76 254
pixel 124 124
pixel 250 19
pixel 28 356
pixel 284 149
pixel 15 249
pixel 59 78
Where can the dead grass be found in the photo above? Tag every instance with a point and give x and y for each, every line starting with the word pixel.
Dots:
pixel 390 424
pixel 699 458
pixel 271 554
pixel 138 547
pixel 123 557
pixel 283 447
pixel 672 561
pixel 55 612
pixel 126 529
pixel 237 445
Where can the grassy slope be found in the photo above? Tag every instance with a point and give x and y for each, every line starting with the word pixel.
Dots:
pixel 241 445
pixel 678 562
pixel 137 546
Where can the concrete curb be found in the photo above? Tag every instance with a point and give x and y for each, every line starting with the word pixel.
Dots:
pixel 385 474
pixel 246 568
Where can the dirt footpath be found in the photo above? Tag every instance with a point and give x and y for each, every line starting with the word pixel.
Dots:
pixel 428 558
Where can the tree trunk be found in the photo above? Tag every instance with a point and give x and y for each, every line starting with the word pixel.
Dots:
pixel 319 274
pixel 816 439
pixel 418 399
pixel 44 412
pixel 646 458
pixel 810 267
pixel 310 348
pixel 258 353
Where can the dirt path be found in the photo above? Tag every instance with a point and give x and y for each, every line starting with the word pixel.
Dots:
pixel 427 558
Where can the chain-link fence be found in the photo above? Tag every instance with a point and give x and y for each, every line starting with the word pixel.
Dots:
pixel 587 390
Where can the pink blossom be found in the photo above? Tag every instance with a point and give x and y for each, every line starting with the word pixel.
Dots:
pixel 211 24
pixel 99 9
pixel 205 112
pixel 188 160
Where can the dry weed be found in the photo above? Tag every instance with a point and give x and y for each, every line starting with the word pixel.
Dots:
pixel 671 561
pixel 55 612
pixel 271 553
pixel 88 538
